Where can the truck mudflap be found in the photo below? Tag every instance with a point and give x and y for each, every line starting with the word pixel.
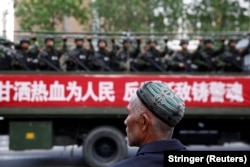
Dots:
pixel 30 135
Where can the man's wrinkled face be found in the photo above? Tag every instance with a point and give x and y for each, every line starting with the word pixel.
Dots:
pixel 132 126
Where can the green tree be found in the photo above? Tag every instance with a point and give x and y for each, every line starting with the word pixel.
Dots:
pixel 217 15
pixel 46 14
pixel 135 15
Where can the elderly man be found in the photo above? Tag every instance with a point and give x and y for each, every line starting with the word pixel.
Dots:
pixel 152 115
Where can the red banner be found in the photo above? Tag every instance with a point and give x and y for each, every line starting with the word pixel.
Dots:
pixel 116 90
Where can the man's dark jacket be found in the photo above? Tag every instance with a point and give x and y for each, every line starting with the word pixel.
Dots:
pixel 152 154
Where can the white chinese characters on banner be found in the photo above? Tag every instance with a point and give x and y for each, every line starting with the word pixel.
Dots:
pixel 130 90
pixel 39 91
pixel 5 88
pixel 106 91
pixel 234 92
pixel 90 93
pixel 217 91
pixel 198 91
pixel 74 91
pixel 57 92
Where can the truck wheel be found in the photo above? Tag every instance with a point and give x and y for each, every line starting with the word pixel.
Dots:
pixel 104 146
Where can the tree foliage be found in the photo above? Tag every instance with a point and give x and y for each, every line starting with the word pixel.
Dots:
pixel 134 15
pixel 172 15
pixel 138 15
pixel 46 14
pixel 218 15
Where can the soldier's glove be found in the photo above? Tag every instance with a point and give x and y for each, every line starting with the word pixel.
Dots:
pixel 64 39
pixel 89 39
pixel 166 40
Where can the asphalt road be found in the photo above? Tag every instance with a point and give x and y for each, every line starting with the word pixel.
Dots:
pixel 71 156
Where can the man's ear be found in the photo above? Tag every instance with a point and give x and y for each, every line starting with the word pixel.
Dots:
pixel 145 122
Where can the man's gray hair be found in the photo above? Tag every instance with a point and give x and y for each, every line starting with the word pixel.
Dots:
pixel 139 109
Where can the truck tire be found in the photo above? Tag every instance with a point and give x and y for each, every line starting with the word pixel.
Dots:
pixel 104 146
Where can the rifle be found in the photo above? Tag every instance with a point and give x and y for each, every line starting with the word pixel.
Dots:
pixel 157 66
pixel 18 58
pixel 101 63
pixel 48 63
pixel 76 59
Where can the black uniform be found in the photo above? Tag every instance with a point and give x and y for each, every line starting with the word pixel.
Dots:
pixel 181 60
pixel 232 58
pixel 49 58
pixel 126 54
pixel 103 60
pixel 6 56
pixel 206 58
pixel 152 154
pixel 152 59
pixel 78 58
pixel 24 58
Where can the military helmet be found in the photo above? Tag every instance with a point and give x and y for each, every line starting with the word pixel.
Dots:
pixel 208 40
pixel 24 39
pixel 183 41
pixel 233 39
pixel 48 37
pixel 17 44
pixel 5 41
pixel 102 39
pixel 79 38
pixel 125 40
pixel 2 40
pixel 149 40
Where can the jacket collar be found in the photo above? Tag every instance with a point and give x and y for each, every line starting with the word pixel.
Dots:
pixel 161 146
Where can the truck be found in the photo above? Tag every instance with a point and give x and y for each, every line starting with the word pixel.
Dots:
pixel 39 110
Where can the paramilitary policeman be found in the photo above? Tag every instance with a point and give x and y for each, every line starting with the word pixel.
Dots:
pixel 50 57
pixel 206 58
pixel 102 59
pixel 6 55
pixel 24 59
pixel 78 58
pixel 126 57
pixel 151 60
pixel 181 60
pixel 232 58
